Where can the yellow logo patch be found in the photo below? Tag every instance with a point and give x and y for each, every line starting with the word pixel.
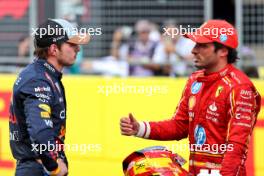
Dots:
pixel 44 114
pixel 192 101
pixel 218 91
pixel 45 107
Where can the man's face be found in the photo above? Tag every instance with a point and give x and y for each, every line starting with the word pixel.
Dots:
pixel 67 54
pixel 143 36
pixel 205 56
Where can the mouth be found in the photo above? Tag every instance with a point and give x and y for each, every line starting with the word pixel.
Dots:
pixel 196 60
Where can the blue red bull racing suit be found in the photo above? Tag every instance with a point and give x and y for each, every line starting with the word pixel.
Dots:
pixel 38 119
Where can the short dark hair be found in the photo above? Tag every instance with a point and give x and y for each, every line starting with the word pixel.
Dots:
pixel 43 52
pixel 232 53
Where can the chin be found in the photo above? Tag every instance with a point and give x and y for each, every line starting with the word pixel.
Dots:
pixel 68 64
pixel 198 66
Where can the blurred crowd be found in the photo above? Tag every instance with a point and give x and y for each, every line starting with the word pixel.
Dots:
pixel 145 50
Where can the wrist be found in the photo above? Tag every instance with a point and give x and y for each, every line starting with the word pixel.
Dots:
pixel 143 130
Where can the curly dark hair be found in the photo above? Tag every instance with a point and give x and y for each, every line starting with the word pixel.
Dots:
pixel 232 53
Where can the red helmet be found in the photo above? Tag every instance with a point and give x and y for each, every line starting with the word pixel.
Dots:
pixel 156 161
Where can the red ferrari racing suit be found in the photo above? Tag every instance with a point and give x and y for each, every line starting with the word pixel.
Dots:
pixel 218 112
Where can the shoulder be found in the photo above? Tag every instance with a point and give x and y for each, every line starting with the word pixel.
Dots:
pixel 32 78
pixel 238 78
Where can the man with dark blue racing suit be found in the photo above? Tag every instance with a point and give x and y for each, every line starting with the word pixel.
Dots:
pixel 38 106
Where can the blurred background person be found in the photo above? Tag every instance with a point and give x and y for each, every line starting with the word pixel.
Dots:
pixel 248 62
pixel 23 46
pixel 173 52
pixel 141 50
pixel 116 63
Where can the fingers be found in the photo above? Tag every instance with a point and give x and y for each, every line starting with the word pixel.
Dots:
pixel 125 120
pixel 126 128
pixel 126 125
pixel 131 117
pixel 127 131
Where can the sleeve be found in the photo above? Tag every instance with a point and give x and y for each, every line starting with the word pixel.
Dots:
pixel 245 105
pixel 38 97
pixel 175 128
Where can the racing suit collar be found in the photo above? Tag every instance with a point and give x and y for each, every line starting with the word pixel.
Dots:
pixel 49 68
pixel 216 75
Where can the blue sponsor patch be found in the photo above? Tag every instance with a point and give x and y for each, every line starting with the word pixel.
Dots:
pixel 223 37
pixel 196 87
pixel 199 135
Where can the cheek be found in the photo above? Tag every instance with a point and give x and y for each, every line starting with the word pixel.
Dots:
pixel 69 52
pixel 207 53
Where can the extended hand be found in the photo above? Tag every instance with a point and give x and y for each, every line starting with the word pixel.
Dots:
pixel 129 125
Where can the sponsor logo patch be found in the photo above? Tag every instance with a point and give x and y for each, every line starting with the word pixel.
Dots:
pixel 45 107
pixel 246 94
pixel 239 116
pixel 42 89
pixel 62 114
pixel 49 123
pixel 200 135
pixel 192 101
pixel 218 91
pixel 44 114
pixel 213 107
pixel 196 87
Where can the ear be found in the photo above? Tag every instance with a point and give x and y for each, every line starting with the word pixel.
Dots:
pixel 223 52
pixel 52 51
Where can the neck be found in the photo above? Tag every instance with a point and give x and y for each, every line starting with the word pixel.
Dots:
pixel 216 68
pixel 55 64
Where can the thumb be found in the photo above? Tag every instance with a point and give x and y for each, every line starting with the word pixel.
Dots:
pixel 132 119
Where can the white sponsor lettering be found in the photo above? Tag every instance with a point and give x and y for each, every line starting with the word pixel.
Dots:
pixel 244 103
pixel 246 94
pixel 243 110
pixel 213 113
pixel 242 124
pixel 239 116
pixel 191 114
pixel 43 100
pixel 49 67
pixel 14 136
pixel 42 89
pixel 43 96
pixel 49 123
pixel 212 119
pixel 205 172
pixel 18 80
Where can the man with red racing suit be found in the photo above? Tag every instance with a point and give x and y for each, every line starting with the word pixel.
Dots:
pixel 218 108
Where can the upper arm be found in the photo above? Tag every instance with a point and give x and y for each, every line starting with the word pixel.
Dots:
pixel 38 97
pixel 245 103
